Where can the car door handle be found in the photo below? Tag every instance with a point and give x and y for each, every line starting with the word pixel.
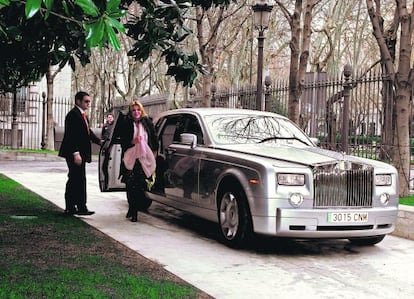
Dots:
pixel 170 151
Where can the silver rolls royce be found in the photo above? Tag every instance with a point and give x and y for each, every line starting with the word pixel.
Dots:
pixel 256 172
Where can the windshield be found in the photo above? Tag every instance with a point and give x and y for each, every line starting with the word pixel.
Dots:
pixel 243 128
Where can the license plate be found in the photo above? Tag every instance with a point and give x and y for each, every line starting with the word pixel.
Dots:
pixel 347 217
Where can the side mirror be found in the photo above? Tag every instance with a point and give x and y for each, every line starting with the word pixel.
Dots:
pixel 315 140
pixel 188 138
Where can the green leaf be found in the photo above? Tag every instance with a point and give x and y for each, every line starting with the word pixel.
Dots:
pixel 72 63
pixel 4 3
pixel 88 7
pixel 112 38
pixel 32 7
pixel 48 4
pixel 113 6
pixel 114 23
pixel 65 7
pixel 95 33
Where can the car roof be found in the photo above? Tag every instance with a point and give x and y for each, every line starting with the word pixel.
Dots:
pixel 214 111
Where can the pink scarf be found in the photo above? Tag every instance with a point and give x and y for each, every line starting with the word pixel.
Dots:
pixel 140 151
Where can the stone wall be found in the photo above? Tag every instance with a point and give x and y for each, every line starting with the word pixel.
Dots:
pixel 405 222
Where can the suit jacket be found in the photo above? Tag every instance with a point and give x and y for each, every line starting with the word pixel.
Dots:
pixel 125 130
pixel 77 136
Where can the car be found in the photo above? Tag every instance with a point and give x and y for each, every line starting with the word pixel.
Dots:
pixel 257 173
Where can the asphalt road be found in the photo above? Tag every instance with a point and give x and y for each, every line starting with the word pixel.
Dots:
pixel 271 268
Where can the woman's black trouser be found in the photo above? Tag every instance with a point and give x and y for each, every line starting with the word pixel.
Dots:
pixel 135 186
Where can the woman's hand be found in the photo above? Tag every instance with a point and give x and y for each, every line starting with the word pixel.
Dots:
pixel 77 159
pixel 137 139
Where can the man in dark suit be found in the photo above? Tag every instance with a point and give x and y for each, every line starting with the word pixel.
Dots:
pixel 76 149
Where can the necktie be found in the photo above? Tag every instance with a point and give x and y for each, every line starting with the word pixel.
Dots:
pixel 86 121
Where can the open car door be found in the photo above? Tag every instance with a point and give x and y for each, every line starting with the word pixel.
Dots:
pixel 110 161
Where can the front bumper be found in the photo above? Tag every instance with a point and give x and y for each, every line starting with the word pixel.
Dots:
pixel 313 223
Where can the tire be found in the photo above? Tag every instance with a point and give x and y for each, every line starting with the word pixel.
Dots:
pixel 367 241
pixel 234 218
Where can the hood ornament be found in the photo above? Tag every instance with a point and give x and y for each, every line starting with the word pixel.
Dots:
pixel 343 165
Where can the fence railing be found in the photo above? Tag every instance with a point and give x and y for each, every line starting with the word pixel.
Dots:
pixel 30 117
pixel 321 107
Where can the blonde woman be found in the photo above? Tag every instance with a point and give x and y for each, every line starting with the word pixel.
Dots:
pixel 139 149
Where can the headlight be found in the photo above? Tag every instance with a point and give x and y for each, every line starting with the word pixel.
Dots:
pixel 383 180
pixel 291 179
pixel 385 198
pixel 296 199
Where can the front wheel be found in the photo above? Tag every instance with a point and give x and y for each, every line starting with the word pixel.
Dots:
pixel 234 218
pixel 367 241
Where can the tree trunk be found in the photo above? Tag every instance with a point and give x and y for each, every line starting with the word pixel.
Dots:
pixel 403 105
pixel 207 42
pixel 299 47
pixel 15 126
pixel 294 93
pixel 402 79
pixel 401 154
pixel 50 123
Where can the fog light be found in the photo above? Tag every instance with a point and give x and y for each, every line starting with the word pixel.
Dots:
pixel 296 199
pixel 385 198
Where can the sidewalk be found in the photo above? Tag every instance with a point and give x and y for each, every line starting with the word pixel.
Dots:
pixel 167 237
pixel 404 227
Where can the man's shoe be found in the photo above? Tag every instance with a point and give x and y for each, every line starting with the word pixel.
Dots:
pixel 129 214
pixel 85 213
pixel 134 219
pixel 69 213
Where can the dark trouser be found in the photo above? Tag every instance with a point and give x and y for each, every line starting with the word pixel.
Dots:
pixel 135 185
pixel 75 193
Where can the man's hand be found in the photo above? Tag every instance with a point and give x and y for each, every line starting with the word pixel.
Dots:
pixel 77 159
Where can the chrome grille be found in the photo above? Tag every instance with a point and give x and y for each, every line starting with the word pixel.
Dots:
pixel 343 184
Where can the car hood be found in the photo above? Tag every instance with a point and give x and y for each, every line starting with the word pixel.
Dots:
pixel 310 156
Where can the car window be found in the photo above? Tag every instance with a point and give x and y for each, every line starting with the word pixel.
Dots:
pixel 193 126
pixel 188 124
pixel 167 133
pixel 243 128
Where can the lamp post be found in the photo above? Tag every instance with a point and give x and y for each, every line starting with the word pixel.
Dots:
pixel 43 143
pixel 261 17
pixel 345 120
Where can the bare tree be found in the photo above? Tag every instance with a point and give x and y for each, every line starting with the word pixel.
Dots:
pixel 300 21
pixel 212 33
pixel 401 76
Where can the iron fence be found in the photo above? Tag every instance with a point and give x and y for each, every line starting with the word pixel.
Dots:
pixel 321 111
pixel 30 117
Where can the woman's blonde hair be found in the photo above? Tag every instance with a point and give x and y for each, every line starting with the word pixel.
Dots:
pixel 137 103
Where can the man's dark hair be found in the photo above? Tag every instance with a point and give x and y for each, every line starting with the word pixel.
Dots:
pixel 79 95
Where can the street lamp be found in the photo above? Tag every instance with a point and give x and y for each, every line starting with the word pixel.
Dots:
pixel 43 143
pixel 261 17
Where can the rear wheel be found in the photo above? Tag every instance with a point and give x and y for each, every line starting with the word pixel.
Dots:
pixel 234 218
pixel 367 241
